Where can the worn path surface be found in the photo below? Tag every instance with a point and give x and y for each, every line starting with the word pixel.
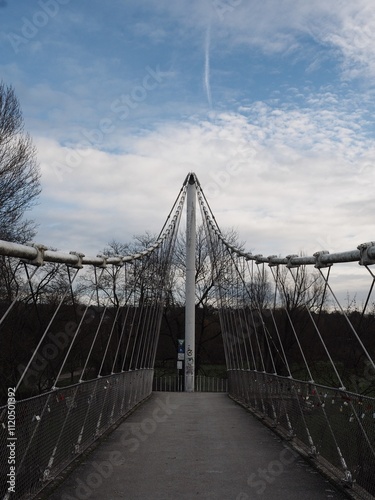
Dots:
pixel 193 445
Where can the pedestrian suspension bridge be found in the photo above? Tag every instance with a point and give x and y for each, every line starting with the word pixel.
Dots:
pixel 79 335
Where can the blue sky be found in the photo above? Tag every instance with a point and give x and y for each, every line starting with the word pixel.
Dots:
pixel 270 103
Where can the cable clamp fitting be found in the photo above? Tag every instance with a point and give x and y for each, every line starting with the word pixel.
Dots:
pixel 259 259
pixel 104 261
pixel 289 258
pixel 270 261
pixel 119 258
pixel 39 259
pixel 79 264
pixel 367 253
pixel 318 259
pixel 348 478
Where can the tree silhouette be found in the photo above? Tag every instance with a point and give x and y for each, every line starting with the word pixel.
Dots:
pixel 19 171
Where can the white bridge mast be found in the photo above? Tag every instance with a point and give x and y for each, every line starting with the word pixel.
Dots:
pixel 190 285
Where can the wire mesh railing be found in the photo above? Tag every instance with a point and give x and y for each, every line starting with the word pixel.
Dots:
pixel 175 383
pixel 54 428
pixel 336 428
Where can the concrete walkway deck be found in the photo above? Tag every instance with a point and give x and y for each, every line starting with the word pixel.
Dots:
pixel 193 445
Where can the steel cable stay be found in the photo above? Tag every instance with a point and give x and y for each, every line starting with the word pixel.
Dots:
pixel 77 331
pixel 252 297
pixel 179 202
pixel 348 475
pixel 125 320
pixel 234 313
pixel 150 304
pixel 16 297
pixel 136 335
pixel 243 320
pixel 231 314
pixel 213 244
pixel 90 399
pixel 267 334
pixel 29 282
pixel 146 324
pixel 73 399
pixel 284 406
pixel 352 329
pixel 154 309
pixel 348 396
pixel 150 343
pixel 46 331
pixel 239 295
pixel 132 319
pixel 77 445
pixel 137 345
pixel 268 339
pixel 235 345
pixel 313 449
pixel 315 390
pixel 162 263
pixel 102 317
pixel 368 295
pixel 239 276
pixel 249 330
pixel 118 308
pixel 261 349
pixel 316 329
pixel 131 296
pixel 151 340
pixel 283 291
pixel 272 314
pixel 237 252
pixel 166 259
pixel 254 330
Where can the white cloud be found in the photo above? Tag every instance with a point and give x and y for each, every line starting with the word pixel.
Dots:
pixel 284 179
pixel 353 33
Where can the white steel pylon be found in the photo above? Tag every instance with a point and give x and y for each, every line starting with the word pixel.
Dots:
pixel 190 285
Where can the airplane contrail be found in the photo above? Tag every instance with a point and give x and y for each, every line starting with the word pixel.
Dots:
pixel 207 65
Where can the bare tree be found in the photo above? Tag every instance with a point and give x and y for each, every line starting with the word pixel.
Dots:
pixel 303 290
pixel 19 171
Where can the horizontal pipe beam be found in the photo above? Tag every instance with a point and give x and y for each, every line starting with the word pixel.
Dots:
pixel 37 254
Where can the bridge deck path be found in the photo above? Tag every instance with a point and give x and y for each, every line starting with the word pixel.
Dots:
pixel 193 445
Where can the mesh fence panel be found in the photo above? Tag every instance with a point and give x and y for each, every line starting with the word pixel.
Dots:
pixel 53 428
pixel 335 427
pixel 175 383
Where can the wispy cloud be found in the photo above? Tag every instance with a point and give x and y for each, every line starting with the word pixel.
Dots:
pixel 353 34
pixel 207 83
